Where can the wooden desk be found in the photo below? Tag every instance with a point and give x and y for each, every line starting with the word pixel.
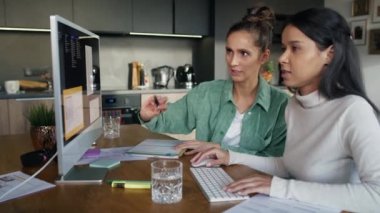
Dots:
pixel 103 198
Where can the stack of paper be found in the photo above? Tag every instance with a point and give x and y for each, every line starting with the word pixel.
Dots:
pixel 157 148
pixel 262 203
pixel 114 153
pixel 11 180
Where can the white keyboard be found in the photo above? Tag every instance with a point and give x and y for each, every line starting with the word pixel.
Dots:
pixel 212 181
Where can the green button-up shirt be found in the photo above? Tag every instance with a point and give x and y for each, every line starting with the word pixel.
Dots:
pixel 209 109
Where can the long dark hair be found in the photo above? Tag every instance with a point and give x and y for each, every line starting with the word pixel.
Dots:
pixel 258 21
pixel 326 27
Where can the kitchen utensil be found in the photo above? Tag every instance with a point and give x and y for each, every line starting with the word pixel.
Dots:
pixel 185 76
pixel 136 75
pixel 161 76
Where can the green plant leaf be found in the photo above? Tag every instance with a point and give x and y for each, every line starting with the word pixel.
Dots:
pixel 41 115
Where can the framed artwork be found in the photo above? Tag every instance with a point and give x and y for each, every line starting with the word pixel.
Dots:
pixel 360 7
pixel 376 11
pixel 374 41
pixel 359 31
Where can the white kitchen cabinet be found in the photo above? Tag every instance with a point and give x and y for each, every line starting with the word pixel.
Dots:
pixel 172 97
pixel 35 14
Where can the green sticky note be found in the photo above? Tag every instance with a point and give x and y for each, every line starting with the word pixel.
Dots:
pixel 104 163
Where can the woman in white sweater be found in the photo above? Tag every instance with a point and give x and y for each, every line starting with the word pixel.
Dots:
pixel 332 151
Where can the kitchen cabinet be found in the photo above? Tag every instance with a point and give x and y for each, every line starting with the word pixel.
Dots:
pixel 172 97
pixel 172 16
pixel 35 14
pixel 2 13
pixel 152 16
pixel 192 17
pixel 104 15
pixel 17 109
pixel 4 118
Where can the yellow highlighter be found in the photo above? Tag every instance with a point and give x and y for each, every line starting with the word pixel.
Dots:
pixel 131 184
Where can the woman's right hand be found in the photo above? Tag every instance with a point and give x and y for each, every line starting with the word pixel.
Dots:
pixel 152 107
pixel 194 146
pixel 218 156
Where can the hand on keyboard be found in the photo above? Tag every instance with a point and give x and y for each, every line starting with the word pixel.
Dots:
pixel 200 163
pixel 204 163
pixel 212 181
pixel 218 157
pixel 257 183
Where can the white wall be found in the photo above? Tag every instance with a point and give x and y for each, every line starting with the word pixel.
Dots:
pixel 370 63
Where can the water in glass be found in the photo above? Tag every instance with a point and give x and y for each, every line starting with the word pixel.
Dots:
pixel 166 181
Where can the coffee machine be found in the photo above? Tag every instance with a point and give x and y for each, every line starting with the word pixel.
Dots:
pixel 185 77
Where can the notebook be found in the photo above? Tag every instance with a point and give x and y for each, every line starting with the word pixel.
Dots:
pixel 157 148
pixel 104 163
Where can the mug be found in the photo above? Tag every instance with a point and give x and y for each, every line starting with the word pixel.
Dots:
pixel 12 87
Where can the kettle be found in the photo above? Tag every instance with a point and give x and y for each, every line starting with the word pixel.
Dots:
pixel 161 76
pixel 185 76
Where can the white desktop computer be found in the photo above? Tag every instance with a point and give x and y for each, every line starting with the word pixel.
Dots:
pixel 77 94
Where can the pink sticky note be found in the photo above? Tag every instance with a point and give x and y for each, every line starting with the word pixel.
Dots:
pixel 92 152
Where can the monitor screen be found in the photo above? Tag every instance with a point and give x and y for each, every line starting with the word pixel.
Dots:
pixel 77 95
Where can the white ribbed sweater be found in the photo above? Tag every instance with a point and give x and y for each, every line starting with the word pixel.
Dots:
pixel 331 157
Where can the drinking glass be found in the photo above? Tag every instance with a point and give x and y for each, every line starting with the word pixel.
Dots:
pixel 111 126
pixel 166 181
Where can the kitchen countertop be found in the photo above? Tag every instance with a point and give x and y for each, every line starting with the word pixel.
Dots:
pixel 35 95
pixel 28 95
pixel 143 91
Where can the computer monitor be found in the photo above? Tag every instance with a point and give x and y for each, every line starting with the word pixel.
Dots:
pixel 77 95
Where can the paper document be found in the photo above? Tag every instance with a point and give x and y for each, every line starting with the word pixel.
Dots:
pixel 157 148
pixel 10 180
pixel 261 203
pixel 115 153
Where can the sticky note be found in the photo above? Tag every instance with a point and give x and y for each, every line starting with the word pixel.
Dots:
pixel 104 163
pixel 92 152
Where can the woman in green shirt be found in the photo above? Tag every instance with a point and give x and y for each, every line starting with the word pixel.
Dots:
pixel 243 114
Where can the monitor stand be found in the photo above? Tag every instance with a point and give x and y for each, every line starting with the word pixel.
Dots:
pixel 83 175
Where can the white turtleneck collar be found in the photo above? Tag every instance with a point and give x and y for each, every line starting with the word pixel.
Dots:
pixel 310 100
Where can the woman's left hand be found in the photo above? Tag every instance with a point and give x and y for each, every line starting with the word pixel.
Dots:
pixel 196 146
pixel 258 183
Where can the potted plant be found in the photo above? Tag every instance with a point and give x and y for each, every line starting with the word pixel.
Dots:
pixel 42 130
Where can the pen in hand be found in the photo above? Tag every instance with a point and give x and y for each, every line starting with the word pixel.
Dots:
pixel 156 101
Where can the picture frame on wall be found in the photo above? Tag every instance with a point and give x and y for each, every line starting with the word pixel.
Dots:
pixel 374 41
pixel 360 7
pixel 376 11
pixel 359 31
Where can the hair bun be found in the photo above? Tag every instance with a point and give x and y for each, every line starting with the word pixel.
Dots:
pixel 262 14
